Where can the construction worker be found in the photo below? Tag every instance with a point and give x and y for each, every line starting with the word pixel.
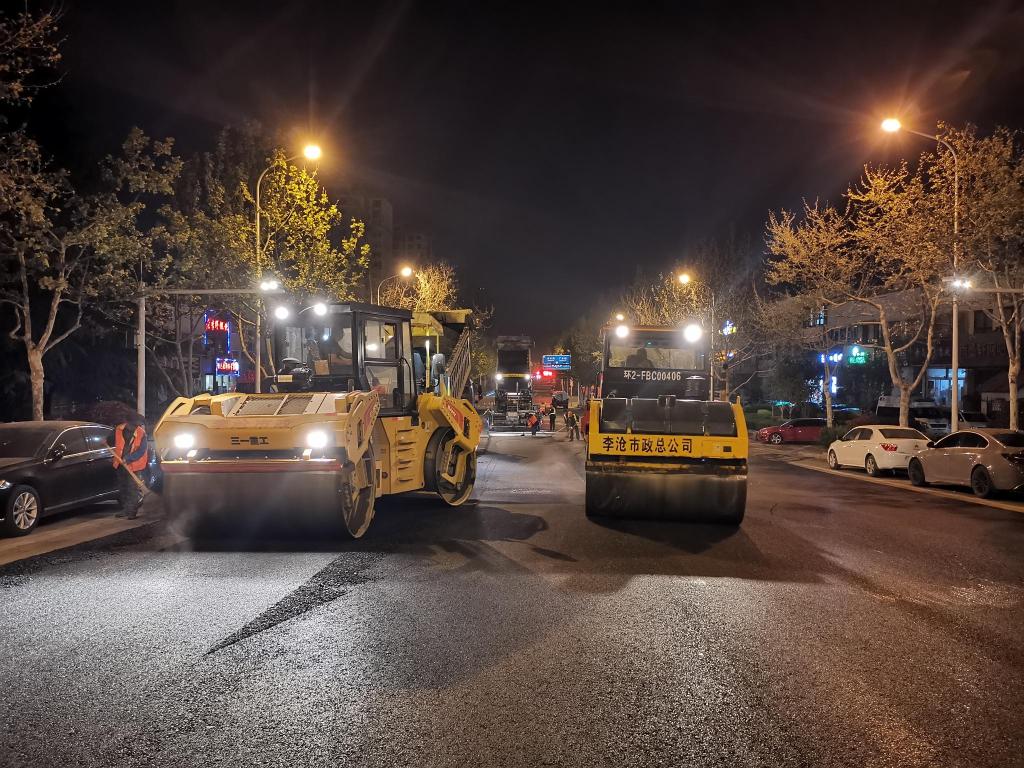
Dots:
pixel 573 423
pixel 551 418
pixel 131 457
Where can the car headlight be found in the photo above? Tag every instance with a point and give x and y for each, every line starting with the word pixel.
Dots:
pixel 316 439
pixel 5 484
pixel 184 440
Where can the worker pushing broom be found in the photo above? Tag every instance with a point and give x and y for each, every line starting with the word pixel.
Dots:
pixel 131 462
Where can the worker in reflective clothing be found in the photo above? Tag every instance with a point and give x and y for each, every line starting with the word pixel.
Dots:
pixel 131 461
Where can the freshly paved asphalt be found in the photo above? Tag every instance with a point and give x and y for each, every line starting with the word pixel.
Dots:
pixel 845 624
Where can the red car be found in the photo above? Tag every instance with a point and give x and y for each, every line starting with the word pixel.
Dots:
pixel 792 431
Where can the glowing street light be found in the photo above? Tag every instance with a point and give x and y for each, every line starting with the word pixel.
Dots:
pixel 685 279
pixel 621 331
pixel 310 152
pixel 693 332
pixel 281 313
pixel 405 273
pixel 619 316
pixel 892 125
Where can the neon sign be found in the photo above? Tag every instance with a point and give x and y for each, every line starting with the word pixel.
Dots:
pixel 218 325
pixel 227 366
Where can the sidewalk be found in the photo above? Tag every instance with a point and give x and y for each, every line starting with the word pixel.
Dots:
pixel 70 529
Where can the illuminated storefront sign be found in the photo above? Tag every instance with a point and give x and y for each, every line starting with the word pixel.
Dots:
pixel 227 366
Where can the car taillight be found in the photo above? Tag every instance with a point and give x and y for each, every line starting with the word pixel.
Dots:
pixel 889 447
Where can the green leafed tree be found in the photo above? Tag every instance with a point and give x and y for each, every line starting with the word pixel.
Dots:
pixel 207 238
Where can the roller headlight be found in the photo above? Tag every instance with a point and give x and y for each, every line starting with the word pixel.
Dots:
pixel 316 439
pixel 184 440
pixel 692 332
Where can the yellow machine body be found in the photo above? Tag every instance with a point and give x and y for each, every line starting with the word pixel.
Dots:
pixel 655 448
pixel 321 453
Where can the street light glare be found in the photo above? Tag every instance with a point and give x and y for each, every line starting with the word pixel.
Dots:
pixel 312 151
pixel 281 313
pixel 891 125
pixel 692 332
pixel 406 272
pixel 269 285
pixel 619 316
pixel 621 331
pixel 684 278
pixel 320 308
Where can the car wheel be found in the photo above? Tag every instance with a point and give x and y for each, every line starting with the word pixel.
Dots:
pixel 871 466
pixel 916 473
pixel 981 483
pixel 775 438
pixel 23 511
pixel 833 461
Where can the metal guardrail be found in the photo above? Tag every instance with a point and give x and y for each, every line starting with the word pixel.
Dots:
pixel 460 364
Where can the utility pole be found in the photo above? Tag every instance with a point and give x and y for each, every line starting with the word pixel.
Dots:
pixel 140 353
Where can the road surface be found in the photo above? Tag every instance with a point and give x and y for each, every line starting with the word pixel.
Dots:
pixel 845 624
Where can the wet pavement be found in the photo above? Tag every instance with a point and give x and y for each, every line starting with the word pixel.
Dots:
pixel 845 624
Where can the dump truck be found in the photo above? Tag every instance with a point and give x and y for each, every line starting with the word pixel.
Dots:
pixel 513 382
pixel 352 415
pixel 658 446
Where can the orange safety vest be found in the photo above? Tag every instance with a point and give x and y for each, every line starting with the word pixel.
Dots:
pixel 137 456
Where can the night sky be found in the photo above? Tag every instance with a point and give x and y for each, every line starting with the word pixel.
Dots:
pixel 549 148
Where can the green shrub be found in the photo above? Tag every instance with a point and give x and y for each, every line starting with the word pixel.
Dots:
pixel 830 434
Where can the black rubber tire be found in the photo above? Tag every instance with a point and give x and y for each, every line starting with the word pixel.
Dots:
pixel 22 494
pixel 981 483
pixel 775 438
pixel 871 466
pixel 915 472
pixel 833 461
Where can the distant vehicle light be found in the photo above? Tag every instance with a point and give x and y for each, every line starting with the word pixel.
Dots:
pixel 621 331
pixel 184 440
pixel 316 439
pixel 693 332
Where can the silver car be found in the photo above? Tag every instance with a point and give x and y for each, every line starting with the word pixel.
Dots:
pixel 986 460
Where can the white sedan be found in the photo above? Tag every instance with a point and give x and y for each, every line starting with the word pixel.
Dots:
pixel 876 447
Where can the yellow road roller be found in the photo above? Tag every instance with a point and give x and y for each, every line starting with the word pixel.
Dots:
pixel 355 411
pixel 658 446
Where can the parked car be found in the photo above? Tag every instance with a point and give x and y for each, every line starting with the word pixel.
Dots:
pixel 985 460
pixel 973 419
pixel 933 421
pixel 560 399
pixel 876 447
pixel 792 431
pixel 51 466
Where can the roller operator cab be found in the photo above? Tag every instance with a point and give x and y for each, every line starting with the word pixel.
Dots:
pixel 657 446
pixel 349 418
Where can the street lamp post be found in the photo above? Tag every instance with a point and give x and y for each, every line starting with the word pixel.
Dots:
pixel 684 279
pixel 310 152
pixel 404 272
pixel 892 125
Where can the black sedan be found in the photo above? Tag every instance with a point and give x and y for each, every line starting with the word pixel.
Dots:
pixel 51 466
